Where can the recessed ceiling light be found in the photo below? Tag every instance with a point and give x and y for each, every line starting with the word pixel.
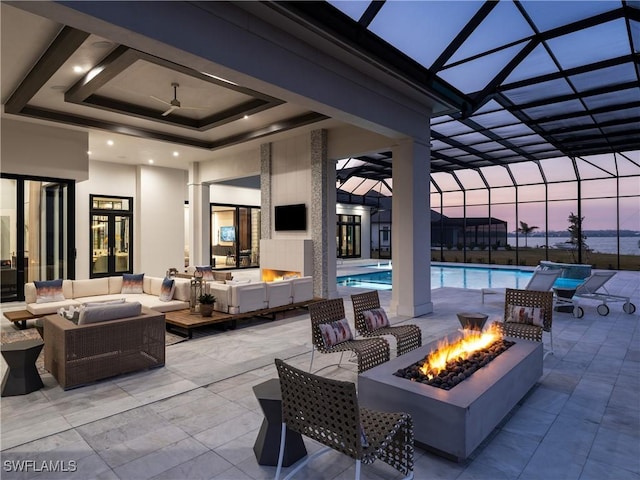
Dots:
pixel 176 154
pixel 102 44
pixel 78 69
pixel 246 116
pixel 150 160
pixel 110 142
pixel 88 152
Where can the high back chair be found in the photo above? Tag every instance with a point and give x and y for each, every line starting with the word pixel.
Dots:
pixel 327 411
pixel 541 280
pixel 369 352
pixel 524 306
pixel 408 337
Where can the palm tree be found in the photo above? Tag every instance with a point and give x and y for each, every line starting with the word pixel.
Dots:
pixel 525 229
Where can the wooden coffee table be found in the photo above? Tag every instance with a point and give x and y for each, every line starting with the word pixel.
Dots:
pixel 20 317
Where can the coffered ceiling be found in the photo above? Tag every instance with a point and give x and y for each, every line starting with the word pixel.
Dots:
pixel 153 106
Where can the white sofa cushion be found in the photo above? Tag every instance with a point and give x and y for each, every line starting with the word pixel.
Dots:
pixel 115 284
pixel 154 303
pixel 248 297
pixel 302 289
pixel 183 289
pixel 109 312
pixel 90 287
pixel 222 293
pixel 40 309
pixel 278 293
pixel 128 297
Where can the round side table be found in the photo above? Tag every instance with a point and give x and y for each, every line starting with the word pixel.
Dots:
pixel 22 376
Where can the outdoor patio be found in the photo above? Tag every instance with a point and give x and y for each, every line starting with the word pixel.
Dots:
pixel 198 418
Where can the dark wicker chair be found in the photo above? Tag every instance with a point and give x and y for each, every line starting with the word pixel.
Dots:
pixel 327 411
pixel 528 298
pixel 408 337
pixel 369 352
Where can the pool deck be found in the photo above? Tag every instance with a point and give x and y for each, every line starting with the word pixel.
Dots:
pixel 198 417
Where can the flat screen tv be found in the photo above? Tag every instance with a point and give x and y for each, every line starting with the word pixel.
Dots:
pixel 291 217
pixel 227 234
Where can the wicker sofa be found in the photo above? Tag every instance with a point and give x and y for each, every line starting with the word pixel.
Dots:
pixel 80 354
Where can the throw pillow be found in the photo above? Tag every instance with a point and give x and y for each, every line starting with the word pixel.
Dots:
pixel 106 302
pixel 132 282
pixel 167 289
pixel 109 312
pixel 334 333
pixel 207 273
pixel 526 315
pixel 375 319
pixel 49 291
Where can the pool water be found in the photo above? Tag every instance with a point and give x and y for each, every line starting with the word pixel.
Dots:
pixel 458 277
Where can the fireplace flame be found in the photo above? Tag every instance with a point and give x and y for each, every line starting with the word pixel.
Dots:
pixel 472 341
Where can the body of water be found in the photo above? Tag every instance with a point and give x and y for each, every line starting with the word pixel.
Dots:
pixel 628 245
pixel 458 277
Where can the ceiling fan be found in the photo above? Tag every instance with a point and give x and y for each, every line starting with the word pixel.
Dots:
pixel 175 103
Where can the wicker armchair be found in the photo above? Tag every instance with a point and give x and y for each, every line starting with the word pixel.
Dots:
pixel 408 337
pixel 327 411
pixel 370 351
pixel 528 298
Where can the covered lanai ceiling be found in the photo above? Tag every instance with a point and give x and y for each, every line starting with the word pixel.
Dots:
pixel 536 79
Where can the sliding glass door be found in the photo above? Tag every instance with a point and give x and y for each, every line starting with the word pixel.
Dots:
pixel 36 232
pixel 235 236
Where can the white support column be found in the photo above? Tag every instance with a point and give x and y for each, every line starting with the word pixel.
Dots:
pixel 411 230
pixel 199 218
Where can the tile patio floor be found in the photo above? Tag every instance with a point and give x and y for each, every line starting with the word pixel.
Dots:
pixel 197 417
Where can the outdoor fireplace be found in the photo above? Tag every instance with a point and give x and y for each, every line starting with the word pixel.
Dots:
pixel 451 363
pixel 271 275
pixel 454 422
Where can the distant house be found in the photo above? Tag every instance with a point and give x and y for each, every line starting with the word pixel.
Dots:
pixel 470 231
pixel 445 231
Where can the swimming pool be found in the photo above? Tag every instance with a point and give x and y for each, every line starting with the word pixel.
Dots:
pixel 458 277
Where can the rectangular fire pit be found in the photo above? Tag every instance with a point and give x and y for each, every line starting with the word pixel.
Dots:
pixel 454 422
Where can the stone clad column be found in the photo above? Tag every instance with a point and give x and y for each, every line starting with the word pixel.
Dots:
pixel 199 218
pixel 411 229
pixel 322 217
pixel 266 204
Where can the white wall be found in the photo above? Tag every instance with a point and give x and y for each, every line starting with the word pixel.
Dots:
pixel 104 179
pixel 159 220
pixel 234 195
pixel 291 179
pixel 42 150
pixel 158 215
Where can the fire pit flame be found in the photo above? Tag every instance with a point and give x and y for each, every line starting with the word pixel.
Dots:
pixel 472 341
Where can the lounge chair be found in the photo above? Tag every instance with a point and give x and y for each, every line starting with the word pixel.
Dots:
pixel 541 281
pixel 593 289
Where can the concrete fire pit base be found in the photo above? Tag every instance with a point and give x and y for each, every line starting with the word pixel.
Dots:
pixel 454 422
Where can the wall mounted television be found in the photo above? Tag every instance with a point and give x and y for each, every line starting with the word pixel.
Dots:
pixel 291 217
pixel 227 234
